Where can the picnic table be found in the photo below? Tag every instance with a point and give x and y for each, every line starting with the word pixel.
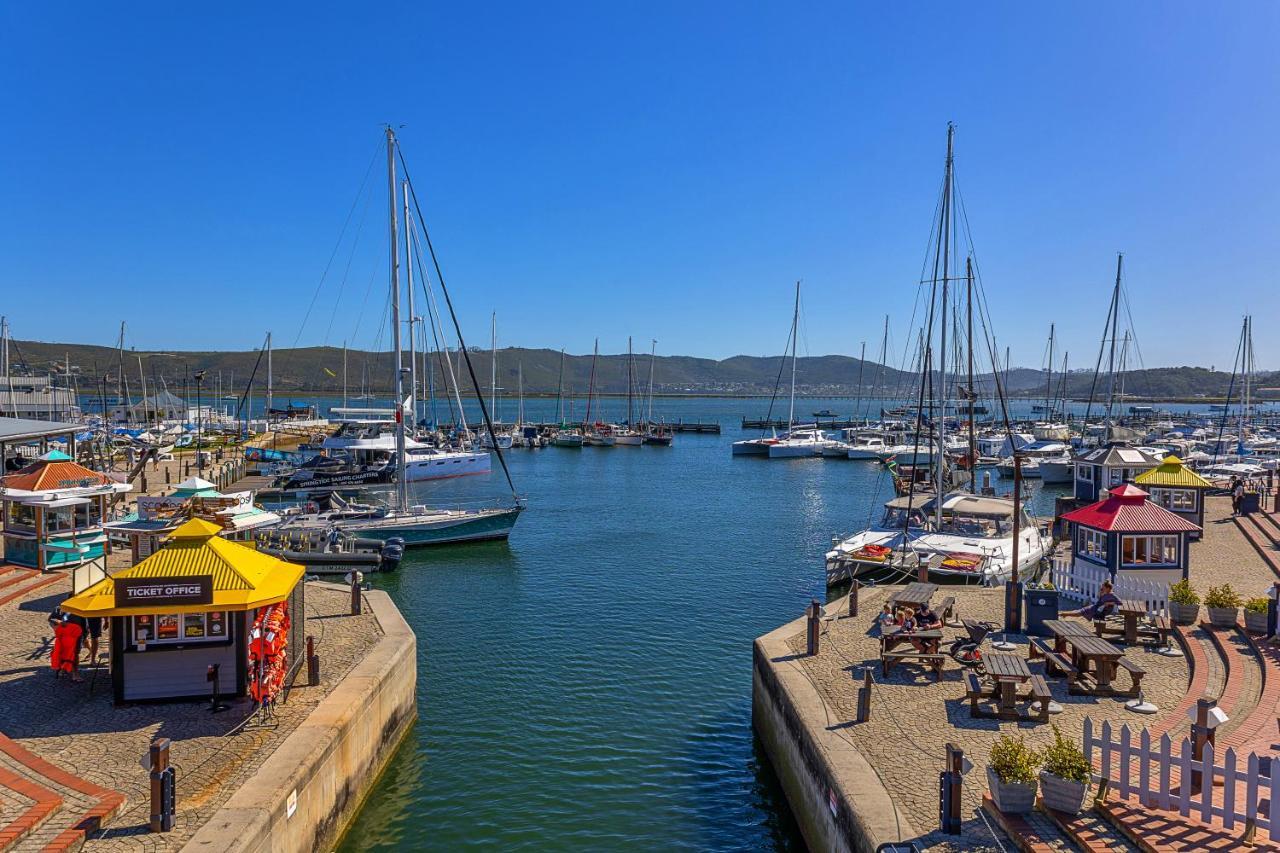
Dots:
pixel 1132 612
pixel 1094 656
pixel 928 656
pixel 914 595
pixel 893 637
pixel 1007 672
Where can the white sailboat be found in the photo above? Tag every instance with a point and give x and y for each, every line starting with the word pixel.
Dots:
pixel 628 435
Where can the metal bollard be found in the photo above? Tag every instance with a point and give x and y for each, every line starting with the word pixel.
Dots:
pixel 814 624
pixel 853 598
pixel 166 475
pixel 162 786
pixel 313 662
pixel 864 697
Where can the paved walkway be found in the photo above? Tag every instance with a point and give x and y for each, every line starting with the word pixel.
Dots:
pixel 71 743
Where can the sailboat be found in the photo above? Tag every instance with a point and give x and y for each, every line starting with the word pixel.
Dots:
pixel 564 436
pixel 797 442
pixel 628 435
pixel 490 438
pixel 659 434
pixel 413 524
pixel 595 434
pixel 950 534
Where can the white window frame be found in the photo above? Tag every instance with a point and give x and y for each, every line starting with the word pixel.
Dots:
pixel 1151 544
pixel 1096 538
pixel 1084 471
pixel 1167 497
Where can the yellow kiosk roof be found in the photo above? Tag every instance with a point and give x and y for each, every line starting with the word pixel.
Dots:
pixel 1172 472
pixel 241 577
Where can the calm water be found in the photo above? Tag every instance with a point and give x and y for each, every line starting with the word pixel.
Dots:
pixel 588 684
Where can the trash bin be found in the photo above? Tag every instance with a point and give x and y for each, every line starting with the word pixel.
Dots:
pixel 1249 503
pixel 1041 605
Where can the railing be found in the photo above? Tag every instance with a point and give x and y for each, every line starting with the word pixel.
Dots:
pixel 1179 781
pixel 1082 581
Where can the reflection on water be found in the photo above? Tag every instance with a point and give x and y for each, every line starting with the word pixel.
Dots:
pixel 588 685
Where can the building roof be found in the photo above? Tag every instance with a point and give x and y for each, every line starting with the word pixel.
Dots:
pixel 1172 472
pixel 1126 509
pixel 46 475
pixel 194 487
pixel 26 429
pixel 243 578
pixel 1119 456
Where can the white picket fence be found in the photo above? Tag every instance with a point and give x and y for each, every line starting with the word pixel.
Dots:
pixel 1164 779
pixel 1082 581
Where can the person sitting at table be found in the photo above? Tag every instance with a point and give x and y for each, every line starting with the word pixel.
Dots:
pixel 927 619
pixel 887 620
pixel 906 621
pixel 1108 603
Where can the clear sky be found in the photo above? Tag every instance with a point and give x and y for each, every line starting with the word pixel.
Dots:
pixel 660 170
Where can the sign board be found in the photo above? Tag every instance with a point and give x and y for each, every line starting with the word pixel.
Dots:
pixel 291 804
pixel 157 593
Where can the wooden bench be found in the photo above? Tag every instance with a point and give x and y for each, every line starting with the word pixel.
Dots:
pixel 973 692
pixel 1056 664
pixel 1041 693
pixel 1038 647
pixel 1135 671
pixel 929 660
pixel 947 610
pixel 1161 628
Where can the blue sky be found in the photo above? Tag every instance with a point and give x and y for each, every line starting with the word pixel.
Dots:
pixel 660 170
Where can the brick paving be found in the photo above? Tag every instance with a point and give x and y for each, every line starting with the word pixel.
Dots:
pixel 77 729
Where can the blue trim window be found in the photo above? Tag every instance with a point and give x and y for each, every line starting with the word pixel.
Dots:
pixel 1092 545
pixel 1149 551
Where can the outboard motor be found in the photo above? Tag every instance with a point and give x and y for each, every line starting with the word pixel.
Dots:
pixel 392 553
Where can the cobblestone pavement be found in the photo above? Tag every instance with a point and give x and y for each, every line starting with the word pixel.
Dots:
pixel 1223 555
pixel 913 717
pixel 77 727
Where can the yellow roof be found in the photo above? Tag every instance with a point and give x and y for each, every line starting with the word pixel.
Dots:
pixel 1172 472
pixel 243 578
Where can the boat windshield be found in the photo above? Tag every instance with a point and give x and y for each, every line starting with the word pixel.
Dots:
pixel 896 517
pixel 978 526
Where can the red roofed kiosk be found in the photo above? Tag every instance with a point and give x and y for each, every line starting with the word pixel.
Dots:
pixel 1131 536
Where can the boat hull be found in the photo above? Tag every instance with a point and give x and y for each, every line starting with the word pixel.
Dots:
pixel 441 529
pixel 629 440
pixel 750 447
pixel 794 451
pixel 446 466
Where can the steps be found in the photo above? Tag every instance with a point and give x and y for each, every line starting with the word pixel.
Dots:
pixel 64 808
pixel 22 585
pixel 1262 532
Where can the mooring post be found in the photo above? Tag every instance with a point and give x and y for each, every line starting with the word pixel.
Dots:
pixel 167 469
pixel 853 599
pixel 313 662
pixel 864 696
pixel 355 593
pixel 814 623
pixel 1201 734
pixel 1272 607
pixel 952 779
pixel 162 793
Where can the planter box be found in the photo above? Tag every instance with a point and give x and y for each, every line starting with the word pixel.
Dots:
pixel 1184 614
pixel 1255 622
pixel 1011 797
pixel 1062 795
pixel 1223 617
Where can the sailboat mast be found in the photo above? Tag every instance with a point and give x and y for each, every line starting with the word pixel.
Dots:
pixel 972 396
pixel 631 381
pixel 408 284
pixel 493 366
pixel 270 385
pixel 402 486
pixel 591 385
pixel 1048 382
pixel 1111 358
pixel 795 323
pixel 560 392
pixel 344 374
pixel 944 232
pixel 862 366
pixel 653 356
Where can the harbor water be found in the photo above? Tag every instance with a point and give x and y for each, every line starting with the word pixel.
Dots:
pixel 587 685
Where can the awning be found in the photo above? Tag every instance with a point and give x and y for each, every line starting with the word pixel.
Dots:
pixel 212 572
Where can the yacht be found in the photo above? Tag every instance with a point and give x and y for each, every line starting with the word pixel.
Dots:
pixel 1034 455
pixel 567 438
pixel 970 541
pixel 798 443
pixel 865 445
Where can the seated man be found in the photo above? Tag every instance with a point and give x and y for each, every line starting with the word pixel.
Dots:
pixel 927 620
pixel 1108 603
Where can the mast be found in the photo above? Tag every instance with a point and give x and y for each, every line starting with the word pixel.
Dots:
pixel 344 374
pixel 408 278
pixel 631 381
pixel 972 396
pixel 944 232
pixel 1111 358
pixel 1048 382
pixel 8 377
pixel 862 365
pixel 402 486
pixel 560 392
pixel 520 386
pixel 795 321
pixel 884 357
pixel 591 385
pixel 653 355
pixel 122 381
pixel 142 377
pixel 270 385
pixel 493 367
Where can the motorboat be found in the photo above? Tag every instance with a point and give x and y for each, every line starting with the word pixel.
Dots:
pixel 969 541
pixel 567 438
pixel 1033 455
pixel 799 443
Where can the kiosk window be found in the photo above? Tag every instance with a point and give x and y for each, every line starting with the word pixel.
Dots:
pixel 173 628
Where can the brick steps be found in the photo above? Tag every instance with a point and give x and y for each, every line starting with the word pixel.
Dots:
pixel 21 591
pixel 1157 831
pixel 1259 732
pixel 82 806
pixel 38 803
pixel 1262 535
pixel 1234 699
pixel 16 576
pixel 1089 831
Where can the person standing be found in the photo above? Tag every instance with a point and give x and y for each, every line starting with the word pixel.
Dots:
pixel 1237 494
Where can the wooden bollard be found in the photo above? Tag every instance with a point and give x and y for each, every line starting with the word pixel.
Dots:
pixel 166 475
pixel 1201 734
pixel 853 598
pixel 864 697
pixel 162 793
pixel 952 790
pixel 815 622
pixel 355 593
pixel 313 662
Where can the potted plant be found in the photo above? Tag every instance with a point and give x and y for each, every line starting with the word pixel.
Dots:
pixel 1184 603
pixel 1064 776
pixel 1255 614
pixel 1223 604
pixel 1011 774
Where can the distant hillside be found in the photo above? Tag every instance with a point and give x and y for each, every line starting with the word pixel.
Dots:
pixel 309 368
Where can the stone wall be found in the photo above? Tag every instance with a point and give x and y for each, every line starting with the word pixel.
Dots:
pixel 303 796
pixel 834 793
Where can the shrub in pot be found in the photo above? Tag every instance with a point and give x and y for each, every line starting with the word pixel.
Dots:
pixel 1064 777
pixel 1255 614
pixel 1184 603
pixel 1223 604
pixel 1011 774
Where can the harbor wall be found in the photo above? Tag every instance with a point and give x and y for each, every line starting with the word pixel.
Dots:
pixel 834 793
pixel 304 795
